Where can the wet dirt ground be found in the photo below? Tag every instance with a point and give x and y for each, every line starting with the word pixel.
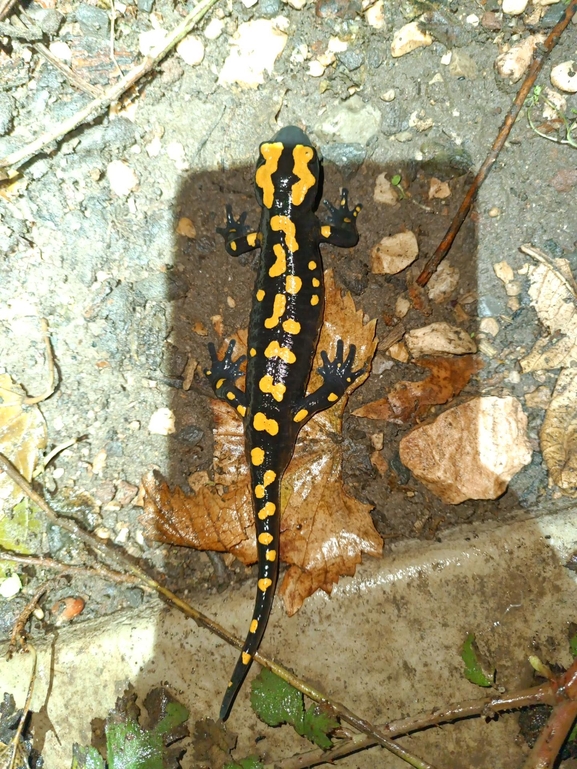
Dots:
pixel 131 303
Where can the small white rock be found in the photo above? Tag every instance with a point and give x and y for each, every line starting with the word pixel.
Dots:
pixel 385 191
pixel 151 40
pixel 10 587
pixel 255 47
pixel 177 154
pixel 409 38
pixel 162 422
pixel 375 15
pixel 489 326
pixel 439 339
pixel 504 271
pixel 191 50
pixel 298 5
pixel 514 7
pixel 60 50
pixel 443 282
pixel 473 20
pixel 515 62
pixel 316 69
pixel 564 76
pixel 389 95
pixel 153 147
pixel 402 306
pixel 214 29
pixel 121 178
pixel 336 45
pixel 392 254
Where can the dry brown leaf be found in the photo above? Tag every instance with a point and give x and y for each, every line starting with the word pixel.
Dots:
pixel 22 437
pixel 408 401
pixel 559 433
pixel 324 530
pixel 554 297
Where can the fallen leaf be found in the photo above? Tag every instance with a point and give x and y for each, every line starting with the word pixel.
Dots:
pixel 559 433
pixel 554 297
pixel 22 437
pixel 394 253
pixel 324 531
pixel 408 401
pixel 470 451
pixel 443 282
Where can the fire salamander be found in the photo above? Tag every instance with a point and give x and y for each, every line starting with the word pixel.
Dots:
pixel 285 322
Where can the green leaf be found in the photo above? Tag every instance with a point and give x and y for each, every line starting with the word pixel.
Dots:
pixel 473 670
pixel 86 758
pixel 396 180
pixel 251 762
pixel 176 714
pixel 131 747
pixel 275 702
pixel 318 724
pixel 573 645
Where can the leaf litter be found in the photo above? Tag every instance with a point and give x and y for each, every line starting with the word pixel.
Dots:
pixel 324 530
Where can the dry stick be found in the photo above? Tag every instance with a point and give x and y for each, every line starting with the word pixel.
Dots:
pixel 5 7
pixel 465 207
pixel 538 695
pixel 65 568
pixel 120 561
pixel 554 733
pixel 111 94
pixel 18 632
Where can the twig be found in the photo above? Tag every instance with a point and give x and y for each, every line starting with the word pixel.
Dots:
pixel 30 33
pixel 85 571
pixel 111 94
pixel 554 733
pixel 19 731
pixel 465 207
pixel 122 561
pixel 18 634
pixel 538 695
pixel 392 337
pixel 5 7
pixel 31 401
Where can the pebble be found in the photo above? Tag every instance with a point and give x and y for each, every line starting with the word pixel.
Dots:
pixel 162 422
pixel 409 38
pixel 351 122
pixel 515 62
pixel 375 15
pixel 93 21
pixel 494 212
pixel 10 586
pixel 67 609
pixel 61 50
pixel 394 253
pixel 489 326
pixel 514 7
pixel 191 50
pixel 384 191
pixel 254 50
pixel 564 76
pixel 121 178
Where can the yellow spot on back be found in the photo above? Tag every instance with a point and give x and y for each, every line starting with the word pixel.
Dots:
pixel 278 309
pixel 271 153
pixel 267 385
pixel 259 491
pixel 253 626
pixel 241 410
pixel 264 584
pixel 316 282
pixel 265 538
pixel 230 396
pixel 257 456
pixel 251 239
pixel 232 245
pixel 302 156
pixel 312 265
pixel 326 231
pixel 293 284
pixel 245 658
pixel 314 300
pixel 270 555
pixel 332 397
pixel 300 415
pixel 260 295
pixel 261 422
pixel 269 477
pixel 220 383
pixel 280 265
pixel 284 224
pixel 274 350
pixel 291 326
pixel 267 510
pixel 252 352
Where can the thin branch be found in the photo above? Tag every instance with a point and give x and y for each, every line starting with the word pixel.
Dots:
pixel 121 561
pixel 508 123
pixel 65 568
pixel 5 7
pixel 111 94
pixel 18 634
pixel 31 401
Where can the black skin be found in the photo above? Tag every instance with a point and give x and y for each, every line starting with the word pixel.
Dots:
pixel 284 327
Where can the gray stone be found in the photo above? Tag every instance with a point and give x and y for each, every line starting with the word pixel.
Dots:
pixel 350 156
pixel 269 8
pixel 352 59
pixel 162 287
pixel 351 122
pixel 93 21
pixel 6 113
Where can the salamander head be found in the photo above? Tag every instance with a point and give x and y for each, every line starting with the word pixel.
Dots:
pixel 287 171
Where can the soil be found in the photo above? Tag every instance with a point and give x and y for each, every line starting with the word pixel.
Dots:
pixel 130 302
